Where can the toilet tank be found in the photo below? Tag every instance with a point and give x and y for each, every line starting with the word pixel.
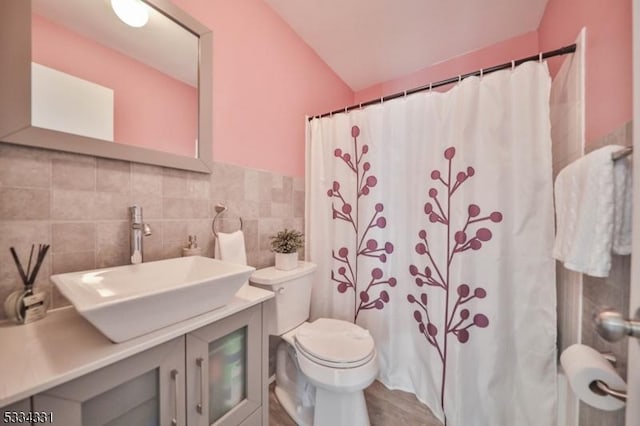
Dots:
pixel 292 295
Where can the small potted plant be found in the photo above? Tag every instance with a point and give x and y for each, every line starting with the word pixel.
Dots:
pixel 285 245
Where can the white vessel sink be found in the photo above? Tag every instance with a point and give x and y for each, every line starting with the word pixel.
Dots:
pixel 129 301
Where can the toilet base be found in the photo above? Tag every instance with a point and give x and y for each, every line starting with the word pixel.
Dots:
pixel 340 409
pixel 303 416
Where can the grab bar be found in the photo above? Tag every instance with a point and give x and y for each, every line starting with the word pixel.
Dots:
pixel 221 208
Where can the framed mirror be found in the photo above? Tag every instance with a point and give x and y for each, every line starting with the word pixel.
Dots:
pixel 80 76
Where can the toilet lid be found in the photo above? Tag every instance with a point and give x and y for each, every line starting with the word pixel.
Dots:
pixel 335 342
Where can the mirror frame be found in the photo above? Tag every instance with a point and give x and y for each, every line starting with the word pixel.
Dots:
pixel 15 98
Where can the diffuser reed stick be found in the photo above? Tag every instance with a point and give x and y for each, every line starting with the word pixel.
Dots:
pixel 42 252
pixel 18 265
pixel 29 277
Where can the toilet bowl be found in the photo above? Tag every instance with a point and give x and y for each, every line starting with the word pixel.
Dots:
pixel 322 367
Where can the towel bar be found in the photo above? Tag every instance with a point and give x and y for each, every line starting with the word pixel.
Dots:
pixel 624 152
pixel 221 208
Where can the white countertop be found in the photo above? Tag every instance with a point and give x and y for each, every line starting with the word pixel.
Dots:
pixel 64 346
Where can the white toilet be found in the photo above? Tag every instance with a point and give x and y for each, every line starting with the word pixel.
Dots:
pixel 322 367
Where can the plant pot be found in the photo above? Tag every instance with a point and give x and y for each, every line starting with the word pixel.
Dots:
pixel 286 261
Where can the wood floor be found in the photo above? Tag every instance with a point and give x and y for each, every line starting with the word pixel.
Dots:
pixel 386 408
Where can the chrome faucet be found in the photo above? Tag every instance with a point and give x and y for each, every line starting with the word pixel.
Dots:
pixel 138 227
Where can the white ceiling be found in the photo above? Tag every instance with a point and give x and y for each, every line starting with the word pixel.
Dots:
pixel 161 44
pixel 370 41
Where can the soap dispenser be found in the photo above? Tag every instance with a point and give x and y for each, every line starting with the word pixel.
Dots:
pixel 192 248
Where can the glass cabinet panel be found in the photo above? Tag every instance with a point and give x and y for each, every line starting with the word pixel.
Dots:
pixel 227 373
pixel 224 370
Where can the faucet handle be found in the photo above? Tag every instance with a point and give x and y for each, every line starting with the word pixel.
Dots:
pixel 135 212
pixel 147 230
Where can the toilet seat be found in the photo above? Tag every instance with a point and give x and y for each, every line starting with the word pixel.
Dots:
pixel 331 364
pixel 334 343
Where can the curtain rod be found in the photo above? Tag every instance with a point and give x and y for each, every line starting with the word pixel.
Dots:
pixel 539 57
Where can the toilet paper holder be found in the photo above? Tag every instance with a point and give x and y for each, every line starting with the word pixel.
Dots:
pixel 592 377
pixel 612 326
pixel 601 388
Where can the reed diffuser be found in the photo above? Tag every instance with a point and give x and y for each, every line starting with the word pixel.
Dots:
pixel 24 306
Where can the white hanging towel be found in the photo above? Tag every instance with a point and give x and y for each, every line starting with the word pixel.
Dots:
pixel 230 247
pixel 593 202
pixel 623 187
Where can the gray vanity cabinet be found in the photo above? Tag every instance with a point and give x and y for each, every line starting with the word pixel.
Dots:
pixel 213 375
pixel 224 371
pixel 145 389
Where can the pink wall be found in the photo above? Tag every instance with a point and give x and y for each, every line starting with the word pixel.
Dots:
pixel 143 115
pixel 608 56
pixel 265 79
pixel 505 51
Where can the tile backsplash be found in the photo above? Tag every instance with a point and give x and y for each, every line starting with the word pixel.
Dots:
pixel 79 205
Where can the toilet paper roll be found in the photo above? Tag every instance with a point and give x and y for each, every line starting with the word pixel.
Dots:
pixel 583 365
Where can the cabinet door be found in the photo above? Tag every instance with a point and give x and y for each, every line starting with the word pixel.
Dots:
pixel 253 420
pixel 15 413
pixel 146 389
pixel 224 370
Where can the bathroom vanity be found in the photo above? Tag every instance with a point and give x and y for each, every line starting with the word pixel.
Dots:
pixel 209 369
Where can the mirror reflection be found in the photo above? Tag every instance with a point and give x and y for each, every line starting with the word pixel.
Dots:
pixel 131 79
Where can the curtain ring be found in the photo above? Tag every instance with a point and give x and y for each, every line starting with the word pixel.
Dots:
pixel 513 65
pixel 360 105
pixel 330 114
pixel 381 99
pixel 405 93
pixel 430 86
pixel 540 57
pixel 481 72
pixel 459 78
pixel 346 109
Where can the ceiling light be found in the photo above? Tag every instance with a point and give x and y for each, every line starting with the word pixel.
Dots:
pixel 134 13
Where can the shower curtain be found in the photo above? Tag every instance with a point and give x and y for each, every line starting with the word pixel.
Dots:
pixel 431 220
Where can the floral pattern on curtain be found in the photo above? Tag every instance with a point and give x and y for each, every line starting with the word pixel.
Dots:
pixel 430 218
